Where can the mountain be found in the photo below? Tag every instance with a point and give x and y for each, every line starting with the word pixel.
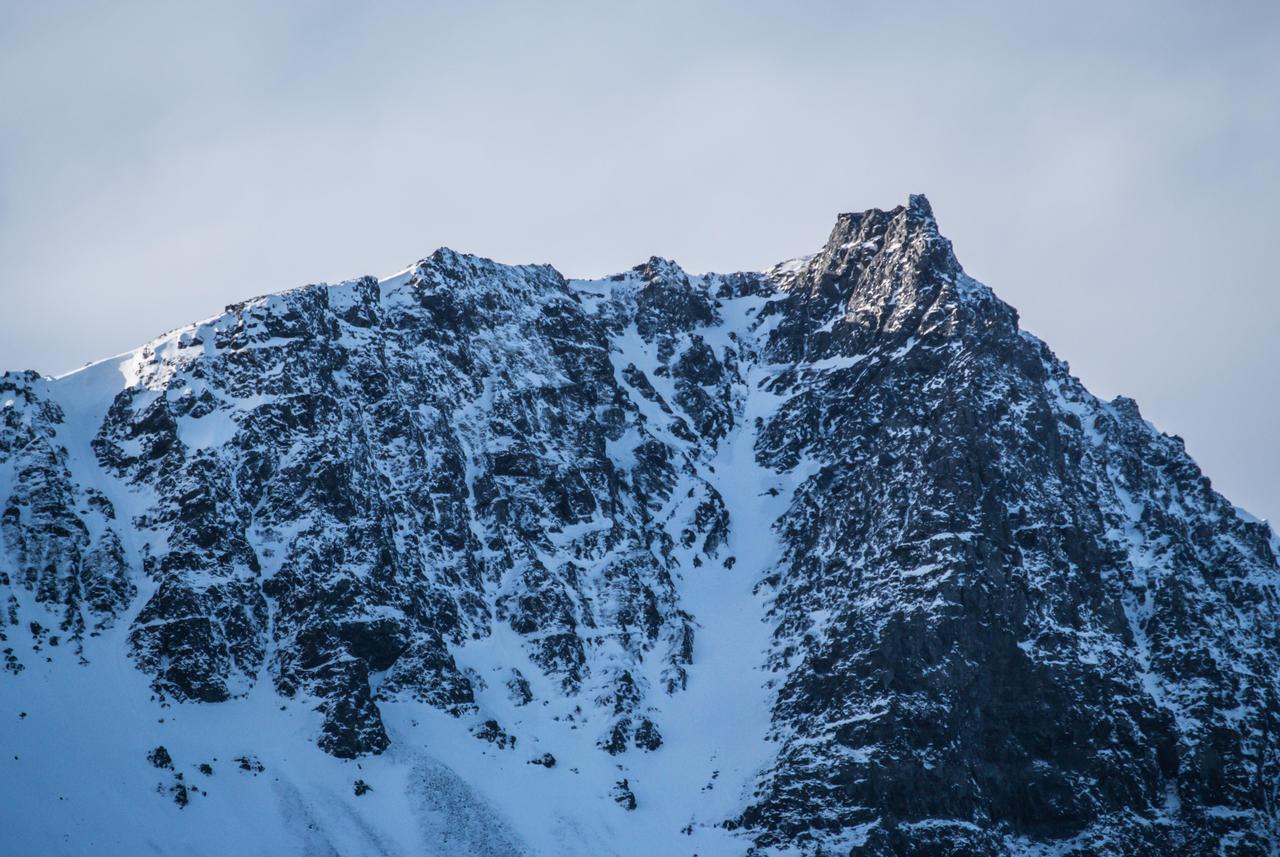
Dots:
pixel 829 559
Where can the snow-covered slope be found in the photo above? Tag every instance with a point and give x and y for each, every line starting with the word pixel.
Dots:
pixel 479 560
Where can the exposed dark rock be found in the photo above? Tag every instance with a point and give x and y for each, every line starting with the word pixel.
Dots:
pixel 250 764
pixel 622 795
pixel 1007 617
pixel 159 757
pixel 647 736
pixel 492 732
pixel 518 688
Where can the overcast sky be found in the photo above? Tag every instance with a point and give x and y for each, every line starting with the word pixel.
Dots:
pixel 1112 172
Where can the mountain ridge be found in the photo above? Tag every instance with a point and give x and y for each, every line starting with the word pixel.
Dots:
pixel 830 557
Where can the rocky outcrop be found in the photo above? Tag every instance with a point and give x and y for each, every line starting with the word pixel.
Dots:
pixel 1010 613
pixel 1006 616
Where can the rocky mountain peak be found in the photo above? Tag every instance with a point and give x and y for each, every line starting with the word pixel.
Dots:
pixel 883 279
pixel 895 242
pixel 660 272
pixel 827 559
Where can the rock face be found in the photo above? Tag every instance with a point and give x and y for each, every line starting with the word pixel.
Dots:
pixel 1001 615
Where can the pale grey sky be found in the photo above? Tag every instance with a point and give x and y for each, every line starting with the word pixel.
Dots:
pixel 1109 171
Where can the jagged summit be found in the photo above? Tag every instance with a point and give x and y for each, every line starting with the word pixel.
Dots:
pixel 879 262
pixel 831 558
pixel 917 213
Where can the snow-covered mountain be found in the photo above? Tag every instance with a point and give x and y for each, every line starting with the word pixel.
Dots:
pixel 479 560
